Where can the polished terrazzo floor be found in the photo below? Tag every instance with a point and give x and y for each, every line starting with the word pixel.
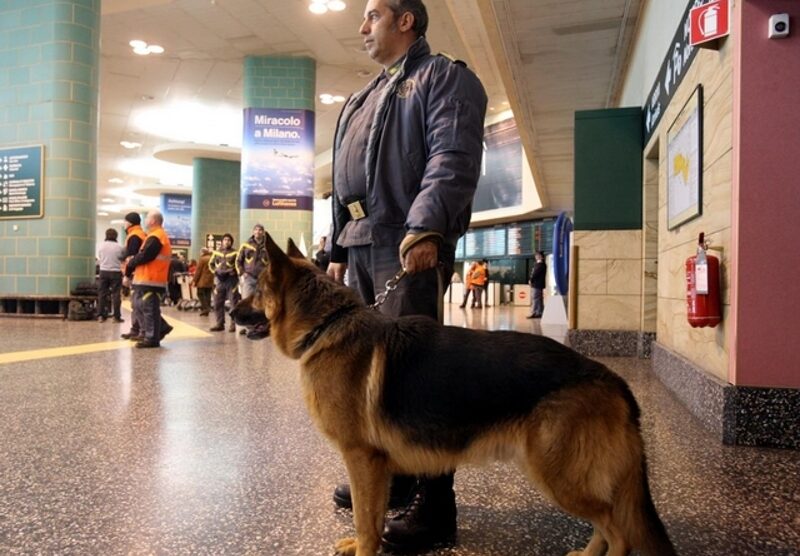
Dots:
pixel 204 447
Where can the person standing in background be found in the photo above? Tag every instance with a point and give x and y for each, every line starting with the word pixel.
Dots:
pixel 478 280
pixel 203 280
pixel 537 282
pixel 150 270
pixel 133 244
pixel 250 262
pixel 223 265
pixel 110 256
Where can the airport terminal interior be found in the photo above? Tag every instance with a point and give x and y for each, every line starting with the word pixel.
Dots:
pixel 205 447
pixel 647 148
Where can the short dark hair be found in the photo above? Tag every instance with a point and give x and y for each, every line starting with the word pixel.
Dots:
pixel 230 236
pixel 111 234
pixel 417 9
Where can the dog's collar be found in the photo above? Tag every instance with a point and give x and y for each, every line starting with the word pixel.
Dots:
pixel 317 331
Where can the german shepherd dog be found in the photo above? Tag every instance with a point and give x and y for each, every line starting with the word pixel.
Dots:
pixel 410 396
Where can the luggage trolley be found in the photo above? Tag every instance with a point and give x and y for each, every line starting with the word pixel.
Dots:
pixel 189 300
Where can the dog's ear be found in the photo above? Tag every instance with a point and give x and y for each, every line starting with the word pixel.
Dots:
pixel 293 251
pixel 277 258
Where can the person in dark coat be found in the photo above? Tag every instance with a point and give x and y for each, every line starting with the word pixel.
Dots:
pixel 407 157
pixel 537 282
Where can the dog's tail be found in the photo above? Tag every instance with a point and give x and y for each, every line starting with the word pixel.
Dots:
pixel 636 513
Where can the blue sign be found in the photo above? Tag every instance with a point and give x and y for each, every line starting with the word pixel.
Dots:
pixel 21 186
pixel 177 212
pixel 278 159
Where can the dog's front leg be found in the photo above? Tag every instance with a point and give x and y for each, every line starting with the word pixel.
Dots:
pixel 369 487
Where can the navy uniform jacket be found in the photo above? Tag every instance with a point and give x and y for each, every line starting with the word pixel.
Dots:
pixel 423 154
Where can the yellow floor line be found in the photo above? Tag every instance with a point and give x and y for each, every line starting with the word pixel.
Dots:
pixel 180 331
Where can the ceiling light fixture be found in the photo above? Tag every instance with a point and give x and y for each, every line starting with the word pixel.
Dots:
pixel 107 200
pixel 130 144
pixel 322 6
pixel 325 98
pixel 116 180
pixel 143 49
pixel 101 213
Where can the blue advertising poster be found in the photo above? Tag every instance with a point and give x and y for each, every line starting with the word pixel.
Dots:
pixel 177 211
pixel 21 186
pixel 278 159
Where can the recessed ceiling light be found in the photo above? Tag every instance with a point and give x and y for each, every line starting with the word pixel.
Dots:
pixel 336 5
pixel 107 200
pixel 318 7
pixel 130 144
pixel 326 98
pixel 101 213
pixel 116 180
pixel 141 48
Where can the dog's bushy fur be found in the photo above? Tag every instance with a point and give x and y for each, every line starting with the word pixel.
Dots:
pixel 410 396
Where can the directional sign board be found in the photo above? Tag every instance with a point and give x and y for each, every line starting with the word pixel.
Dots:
pixel 21 182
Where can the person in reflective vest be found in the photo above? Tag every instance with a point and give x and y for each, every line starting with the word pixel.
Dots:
pixel 133 244
pixel 226 282
pixel 150 268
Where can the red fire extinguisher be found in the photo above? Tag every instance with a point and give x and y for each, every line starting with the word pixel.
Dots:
pixel 703 307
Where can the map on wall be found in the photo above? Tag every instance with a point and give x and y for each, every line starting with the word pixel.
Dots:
pixel 685 163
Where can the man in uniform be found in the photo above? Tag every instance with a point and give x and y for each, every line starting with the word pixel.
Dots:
pixel 407 156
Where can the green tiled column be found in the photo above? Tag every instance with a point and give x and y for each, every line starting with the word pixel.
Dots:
pixel 49 53
pixel 215 200
pixel 279 82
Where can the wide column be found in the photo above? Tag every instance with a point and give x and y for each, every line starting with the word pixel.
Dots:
pixel 277 182
pixel 49 54
pixel 215 201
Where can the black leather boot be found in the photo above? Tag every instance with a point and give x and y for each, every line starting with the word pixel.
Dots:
pixel 428 521
pixel 400 492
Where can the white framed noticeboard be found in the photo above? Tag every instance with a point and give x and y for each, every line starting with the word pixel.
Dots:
pixel 685 162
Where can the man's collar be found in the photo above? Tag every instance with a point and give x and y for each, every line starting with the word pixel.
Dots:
pixel 417 49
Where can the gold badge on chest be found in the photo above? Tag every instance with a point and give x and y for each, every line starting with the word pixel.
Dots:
pixel 405 88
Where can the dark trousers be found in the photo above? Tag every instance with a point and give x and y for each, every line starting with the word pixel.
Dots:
pixel 225 290
pixel 538 302
pixel 204 295
pixel 108 293
pixel 136 317
pixel 368 269
pixel 152 322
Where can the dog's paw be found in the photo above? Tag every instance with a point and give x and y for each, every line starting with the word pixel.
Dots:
pixel 346 547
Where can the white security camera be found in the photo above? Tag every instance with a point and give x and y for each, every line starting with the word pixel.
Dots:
pixel 779 26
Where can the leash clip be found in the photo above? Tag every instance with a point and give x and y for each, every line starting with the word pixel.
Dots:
pixel 391 285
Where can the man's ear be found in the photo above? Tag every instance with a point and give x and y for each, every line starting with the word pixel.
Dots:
pixel 406 22
pixel 293 251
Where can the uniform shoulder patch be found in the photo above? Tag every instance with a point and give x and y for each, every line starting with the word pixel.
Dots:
pixel 452 58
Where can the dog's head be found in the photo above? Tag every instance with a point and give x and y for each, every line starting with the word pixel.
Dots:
pixel 297 297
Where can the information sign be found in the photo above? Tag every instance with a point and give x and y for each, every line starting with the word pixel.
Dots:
pixel 21 175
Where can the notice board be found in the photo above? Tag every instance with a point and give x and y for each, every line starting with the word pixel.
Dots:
pixel 21 182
